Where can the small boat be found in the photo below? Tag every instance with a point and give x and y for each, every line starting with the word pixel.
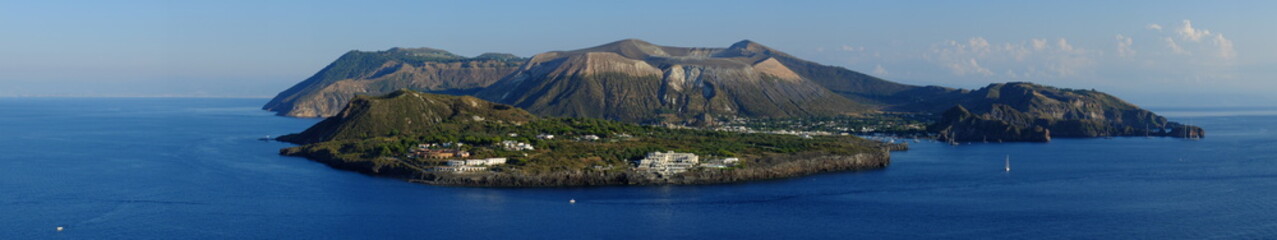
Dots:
pixel 572 201
pixel 266 139
pixel 1008 163
pixel 59 228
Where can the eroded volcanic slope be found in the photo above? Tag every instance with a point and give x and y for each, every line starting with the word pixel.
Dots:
pixel 381 72
pixel 636 81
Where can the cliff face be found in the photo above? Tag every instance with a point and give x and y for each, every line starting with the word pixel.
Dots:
pixel 636 81
pixel 1030 112
pixel 960 125
pixel 378 73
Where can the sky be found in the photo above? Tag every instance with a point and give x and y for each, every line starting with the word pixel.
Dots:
pixel 1152 53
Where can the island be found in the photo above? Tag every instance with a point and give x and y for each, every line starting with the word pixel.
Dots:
pixel 466 141
pixel 745 86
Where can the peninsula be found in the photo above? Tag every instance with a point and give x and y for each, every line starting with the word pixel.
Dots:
pixel 466 141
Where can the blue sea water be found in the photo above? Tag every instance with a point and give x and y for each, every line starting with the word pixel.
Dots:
pixel 193 168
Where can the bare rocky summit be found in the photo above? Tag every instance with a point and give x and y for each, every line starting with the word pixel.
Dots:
pixel 377 73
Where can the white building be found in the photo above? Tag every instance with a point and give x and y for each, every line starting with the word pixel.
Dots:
pixel 510 145
pixel 470 165
pixel 460 169
pixel 590 137
pixel 721 163
pixel 477 162
pixel 667 163
pixel 545 136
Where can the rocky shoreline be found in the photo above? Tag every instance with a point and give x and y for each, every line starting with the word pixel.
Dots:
pixel 770 167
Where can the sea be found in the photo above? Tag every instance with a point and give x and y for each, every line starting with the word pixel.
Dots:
pixel 194 168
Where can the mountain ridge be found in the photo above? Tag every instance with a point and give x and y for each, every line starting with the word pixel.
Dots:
pixel 381 72
pixel 636 81
pixel 642 82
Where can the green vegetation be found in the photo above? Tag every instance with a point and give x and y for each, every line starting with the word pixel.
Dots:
pixel 620 143
pixel 899 124
pixel 382 130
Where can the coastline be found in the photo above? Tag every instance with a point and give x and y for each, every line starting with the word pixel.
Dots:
pixel 777 166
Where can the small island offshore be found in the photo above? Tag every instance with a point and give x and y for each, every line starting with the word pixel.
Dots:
pixel 466 141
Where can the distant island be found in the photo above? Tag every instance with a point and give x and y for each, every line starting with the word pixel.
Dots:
pixel 466 141
pixel 635 81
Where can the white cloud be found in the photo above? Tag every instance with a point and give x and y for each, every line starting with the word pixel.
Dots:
pixel 968 67
pixel 880 71
pixel 1187 32
pixel 851 48
pixel 1064 45
pixel 1124 46
pixel 1225 46
pixel 978 44
pixel 1038 44
pixel 1155 27
pixel 1175 48
pixel 1187 40
pixel 1011 73
pixel 1034 58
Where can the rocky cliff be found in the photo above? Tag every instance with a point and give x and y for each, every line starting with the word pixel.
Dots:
pixel 635 81
pixel 378 73
pixel 1030 112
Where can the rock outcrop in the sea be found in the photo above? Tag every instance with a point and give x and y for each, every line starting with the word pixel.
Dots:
pixel 1031 112
pixel 377 73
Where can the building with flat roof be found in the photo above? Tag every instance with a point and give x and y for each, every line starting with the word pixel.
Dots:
pixel 469 165
pixel 667 163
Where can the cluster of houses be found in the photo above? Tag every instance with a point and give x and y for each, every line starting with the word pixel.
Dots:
pixel 663 163
pixel 451 151
pixel 510 145
pixel 804 134
pixel 670 162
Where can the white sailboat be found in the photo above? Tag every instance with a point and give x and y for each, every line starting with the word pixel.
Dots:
pixel 1008 163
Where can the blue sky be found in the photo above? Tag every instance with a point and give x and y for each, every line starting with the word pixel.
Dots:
pixel 1153 53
